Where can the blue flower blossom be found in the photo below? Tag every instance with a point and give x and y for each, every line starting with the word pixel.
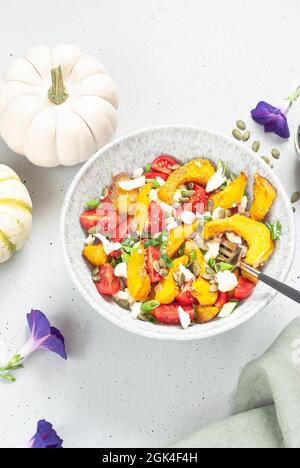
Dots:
pixel 45 437
pixel 272 118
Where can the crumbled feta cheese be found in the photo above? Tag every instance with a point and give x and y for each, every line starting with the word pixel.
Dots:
pixel 188 217
pixel 243 205
pixel 213 249
pixel 226 280
pixel 160 181
pixel 188 275
pixel 108 246
pixel 234 205
pixel 129 185
pixel 171 225
pixel 153 195
pixel 198 164
pixel 166 208
pixel 216 181
pixel 121 296
pixel 233 238
pixel 184 317
pixel 136 310
pixel 227 309
pixel 138 172
pixel 89 240
pixel 177 195
pixel 121 270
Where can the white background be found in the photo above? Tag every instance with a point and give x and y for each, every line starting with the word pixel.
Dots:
pixel 175 61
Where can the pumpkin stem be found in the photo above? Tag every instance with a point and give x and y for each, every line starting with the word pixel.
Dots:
pixel 57 92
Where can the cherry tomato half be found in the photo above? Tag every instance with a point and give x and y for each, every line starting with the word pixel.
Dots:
pixel 121 230
pixel 152 254
pixel 222 299
pixel 108 284
pixel 153 175
pixel 164 163
pixel 156 218
pixel 244 289
pixel 89 219
pixel 185 297
pixel 168 314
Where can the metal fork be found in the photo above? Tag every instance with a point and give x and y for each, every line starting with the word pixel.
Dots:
pixel 233 254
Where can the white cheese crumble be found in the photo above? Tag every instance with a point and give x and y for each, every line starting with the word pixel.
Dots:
pixel 129 185
pixel 89 240
pixel 233 238
pixel 184 317
pixel 216 213
pixel 108 246
pixel 171 225
pixel 166 208
pixel 227 309
pixel 160 181
pixel 138 172
pixel 122 296
pixel 216 181
pixel 177 195
pixel 226 280
pixel 213 249
pixel 121 270
pixel 188 217
pixel 188 275
pixel 153 195
pixel 136 310
pixel 198 164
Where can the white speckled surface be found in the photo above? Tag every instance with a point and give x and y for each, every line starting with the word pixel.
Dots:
pixel 118 389
pixel 184 143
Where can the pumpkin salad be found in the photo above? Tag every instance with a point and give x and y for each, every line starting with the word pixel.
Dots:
pixel 153 240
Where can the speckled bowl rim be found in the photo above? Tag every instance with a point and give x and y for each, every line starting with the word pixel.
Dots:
pixel 221 326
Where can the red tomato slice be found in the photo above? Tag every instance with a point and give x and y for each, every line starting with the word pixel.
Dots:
pixel 153 175
pixel 152 254
pixel 168 314
pixel 185 297
pixel 222 299
pixel 244 289
pixel 199 200
pixel 164 164
pixel 121 230
pixel 89 219
pixel 156 217
pixel 108 284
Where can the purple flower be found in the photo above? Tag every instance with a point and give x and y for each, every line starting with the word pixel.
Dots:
pixel 43 336
pixel 45 437
pixel 272 118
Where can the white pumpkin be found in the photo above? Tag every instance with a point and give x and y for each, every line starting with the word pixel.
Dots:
pixel 57 106
pixel 15 213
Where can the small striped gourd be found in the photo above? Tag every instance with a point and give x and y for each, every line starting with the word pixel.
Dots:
pixel 15 213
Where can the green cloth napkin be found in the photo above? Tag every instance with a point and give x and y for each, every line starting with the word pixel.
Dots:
pixel 267 405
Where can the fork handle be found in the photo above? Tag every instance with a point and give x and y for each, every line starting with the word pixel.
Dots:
pixel 275 284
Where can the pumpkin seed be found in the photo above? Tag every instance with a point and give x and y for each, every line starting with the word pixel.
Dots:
pixel 190 186
pixel 213 288
pixel 163 272
pixel 210 206
pixel 181 279
pixel 96 278
pixel 105 192
pixel 162 263
pixel 93 230
pixel 228 213
pixel 241 125
pixel 156 266
pixel 256 146
pixel 123 303
pixel 266 159
pixel 187 193
pixel 175 276
pixel 237 134
pixel 206 276
pixel 246 136
pixel 123 284
pixel 294 209
pixel 196 269
pixel 222 213
pixel 295 197
pixel 184 199
pixel 95 271
pixel 210 272
pixel 275 153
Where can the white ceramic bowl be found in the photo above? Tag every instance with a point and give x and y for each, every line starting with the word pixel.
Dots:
pixel 296 140
pixel 135 151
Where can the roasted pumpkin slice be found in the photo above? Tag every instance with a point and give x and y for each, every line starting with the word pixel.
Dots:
pixel 139 284
pixel 168 289
pixel 264 195
pixel 178 236
pixel 191 246
pixel 95 255
pixel 200 291
pixel 142 205
pixel 256 234
pixel 206 314
pixel 198 170
pixel 232 194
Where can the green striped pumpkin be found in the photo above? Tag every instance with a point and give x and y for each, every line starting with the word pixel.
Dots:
pixel 15 213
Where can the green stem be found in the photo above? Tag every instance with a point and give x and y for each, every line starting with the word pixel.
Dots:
pixel 57 92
